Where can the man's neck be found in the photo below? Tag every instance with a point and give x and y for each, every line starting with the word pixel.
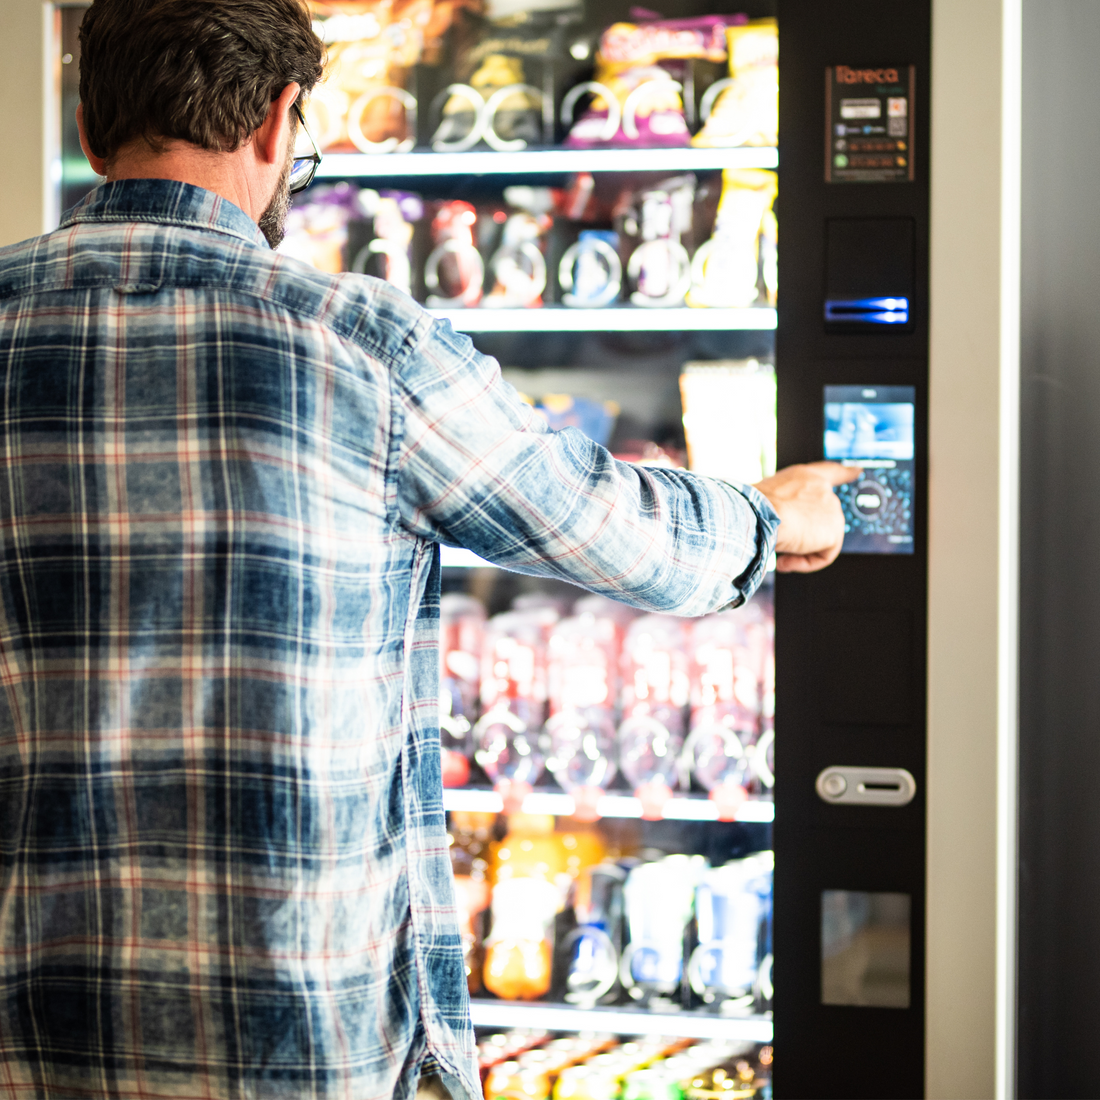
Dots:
pixel 226 174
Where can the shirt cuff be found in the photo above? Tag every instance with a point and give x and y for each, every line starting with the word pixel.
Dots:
pixel 767 523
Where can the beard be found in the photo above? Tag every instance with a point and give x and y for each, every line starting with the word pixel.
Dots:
pixel 273 220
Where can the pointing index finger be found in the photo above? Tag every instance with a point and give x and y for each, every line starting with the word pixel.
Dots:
pixel 836 473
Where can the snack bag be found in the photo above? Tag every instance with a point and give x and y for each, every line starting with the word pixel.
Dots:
pixel 518 265
pixel 659 899
pixel 497 96
pixel 744 108
pixel 730 418
pixel 729 269
pixel 638 96
pixel 659 268
pixel 590 272
pixel 318 225
pixel 454 272
pixel 595 418
pixel 592 948
pixel 381 244
pixel 363 104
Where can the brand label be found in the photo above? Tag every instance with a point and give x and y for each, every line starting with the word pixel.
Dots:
pixel 869 134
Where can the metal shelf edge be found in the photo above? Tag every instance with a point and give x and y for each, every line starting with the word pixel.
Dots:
pixel 541 162
pixel 751 318
pixel 625 1021
pixel 756 810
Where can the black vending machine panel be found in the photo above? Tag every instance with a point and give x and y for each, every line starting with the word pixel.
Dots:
pixel 852 349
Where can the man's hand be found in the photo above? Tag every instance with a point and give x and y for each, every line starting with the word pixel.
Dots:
pixel 811 523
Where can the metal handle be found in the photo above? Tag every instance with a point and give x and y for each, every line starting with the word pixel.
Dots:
pixel 841 785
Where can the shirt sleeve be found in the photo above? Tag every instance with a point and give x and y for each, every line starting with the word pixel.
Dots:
pixel 476 467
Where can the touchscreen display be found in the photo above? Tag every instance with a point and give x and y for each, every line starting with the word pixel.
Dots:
pixel 872 427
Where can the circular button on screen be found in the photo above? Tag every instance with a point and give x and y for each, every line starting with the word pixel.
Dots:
pixel 869 498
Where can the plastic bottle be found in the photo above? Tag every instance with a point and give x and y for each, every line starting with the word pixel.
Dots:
pixel 726 673
pixel 582 675
pixel 655 692
pixel 530 875
pixel 461 630
pixel 470 835
pixel 732 911
pixel 593 946
pixel 659 898
pixel 513 700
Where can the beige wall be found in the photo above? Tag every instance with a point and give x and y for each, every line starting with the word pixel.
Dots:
pixel 27 114
pixel 972 579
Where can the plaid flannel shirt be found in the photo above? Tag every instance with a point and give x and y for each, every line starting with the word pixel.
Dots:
pixel 223 854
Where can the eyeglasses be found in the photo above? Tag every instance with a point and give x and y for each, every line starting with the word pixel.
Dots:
pixel 303 169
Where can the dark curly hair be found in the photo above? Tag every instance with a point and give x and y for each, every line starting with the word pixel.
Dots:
pixel 202 71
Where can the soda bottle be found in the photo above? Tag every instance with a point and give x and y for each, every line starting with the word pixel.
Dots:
pixel 470 835
pixel 530 876
pixel 726 674
pixel 659 898
pixel 593 946
pixel 513 701
pixel 515 1081
pixel 581 676
pixel 763 752
pixel 655 692
pixel 732 912
pixel 461 630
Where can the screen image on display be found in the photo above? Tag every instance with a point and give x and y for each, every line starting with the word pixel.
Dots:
pixel 872 427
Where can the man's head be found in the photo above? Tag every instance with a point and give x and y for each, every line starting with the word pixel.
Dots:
pixel 207 73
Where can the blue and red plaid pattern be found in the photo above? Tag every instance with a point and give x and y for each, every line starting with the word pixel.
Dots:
pixel 223 854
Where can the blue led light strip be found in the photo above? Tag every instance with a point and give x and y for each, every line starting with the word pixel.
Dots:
pixel 867 311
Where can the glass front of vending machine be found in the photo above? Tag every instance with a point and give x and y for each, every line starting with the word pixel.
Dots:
pixel 591 191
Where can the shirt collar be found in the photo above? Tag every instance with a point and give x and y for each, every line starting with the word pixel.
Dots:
pixel 165 202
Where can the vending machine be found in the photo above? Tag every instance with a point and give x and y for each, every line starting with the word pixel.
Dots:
pixel 688 854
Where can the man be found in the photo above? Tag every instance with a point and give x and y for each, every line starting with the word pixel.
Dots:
pixel 224 864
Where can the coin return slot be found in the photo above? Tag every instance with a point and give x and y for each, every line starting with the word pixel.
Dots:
pixel 855 786
pixel 865 948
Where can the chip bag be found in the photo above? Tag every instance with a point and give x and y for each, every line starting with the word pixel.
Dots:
pixel 497 97
pixel 728 269
pixel 638 96
pixel 518 265
pixel 317 226
pixel 744 109
pixel 364 103
pixel 380 243
pixel 454 273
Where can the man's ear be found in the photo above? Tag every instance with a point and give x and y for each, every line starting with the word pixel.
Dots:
pixel 99 165
pixel 270 140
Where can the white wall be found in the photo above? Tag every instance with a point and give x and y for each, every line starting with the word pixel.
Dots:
pixel 973 547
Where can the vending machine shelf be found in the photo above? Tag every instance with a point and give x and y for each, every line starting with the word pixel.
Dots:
pixel 610 319
pixel 623 1020
pixel 540 162
pixel 611 805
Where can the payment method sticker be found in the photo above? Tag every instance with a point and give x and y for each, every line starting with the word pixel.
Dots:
pixel 869 124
